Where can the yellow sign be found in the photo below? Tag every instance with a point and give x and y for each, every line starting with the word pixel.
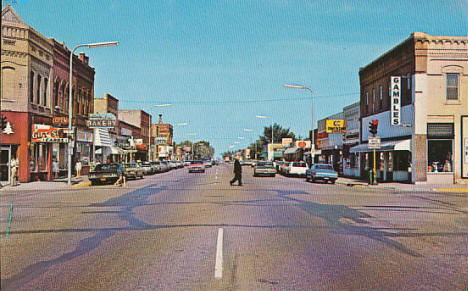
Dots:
pixel 336 126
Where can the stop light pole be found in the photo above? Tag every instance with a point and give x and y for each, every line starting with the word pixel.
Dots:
pixel 373 130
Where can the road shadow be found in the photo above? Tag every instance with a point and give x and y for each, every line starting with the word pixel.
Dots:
pixel 334 215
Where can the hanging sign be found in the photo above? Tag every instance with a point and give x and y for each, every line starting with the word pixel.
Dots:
pixel 336 126
pixel 46 133
pixel 106 120
pixel 395 112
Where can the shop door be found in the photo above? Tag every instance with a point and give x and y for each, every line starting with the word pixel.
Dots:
pixel 5 156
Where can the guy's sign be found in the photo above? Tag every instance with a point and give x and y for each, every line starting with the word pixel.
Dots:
pixel 395 112
pixel 46 133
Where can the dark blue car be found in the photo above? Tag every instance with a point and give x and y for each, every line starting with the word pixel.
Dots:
pixel 323 172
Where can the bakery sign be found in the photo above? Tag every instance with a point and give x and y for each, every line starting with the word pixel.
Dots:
pixel 102 120
pixel 49 134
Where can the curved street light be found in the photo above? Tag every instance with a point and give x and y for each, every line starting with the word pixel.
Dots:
pixel 312 146
pixel 71 145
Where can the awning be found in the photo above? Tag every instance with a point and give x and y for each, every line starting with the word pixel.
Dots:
pixel 290 151
pixel 116 150
pixel 392 145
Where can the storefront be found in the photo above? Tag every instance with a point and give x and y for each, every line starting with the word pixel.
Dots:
pixel 43 139
pixel 440 149
pixel 84 149
pixel 393 160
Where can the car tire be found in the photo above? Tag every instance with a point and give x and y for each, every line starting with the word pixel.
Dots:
pixel 274 175
pixel 93 182
pixel 307 178
pixel 332 181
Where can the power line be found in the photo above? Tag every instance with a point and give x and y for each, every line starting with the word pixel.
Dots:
pixel 239 101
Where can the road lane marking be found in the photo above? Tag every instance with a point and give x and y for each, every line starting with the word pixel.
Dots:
pixel 219 255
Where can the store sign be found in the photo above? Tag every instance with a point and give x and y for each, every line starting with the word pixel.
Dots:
pixel 106 120
pixel 395 112
pixel 336 126
pixel 84 136
pixel 160 140
pixel 46 133
pixel 60 120
pixel 286 141
pixel 126 132
pixel 466 150
pixel 303 144
pixel 187 149
pixel 374 142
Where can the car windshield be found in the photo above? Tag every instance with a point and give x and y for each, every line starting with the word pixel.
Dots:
pixel 299 164
pixel 106 167
pixel 324 167
pixel 265 164
pixel 196 162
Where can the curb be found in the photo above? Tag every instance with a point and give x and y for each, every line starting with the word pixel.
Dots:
pixel 456 190
pixel 82 185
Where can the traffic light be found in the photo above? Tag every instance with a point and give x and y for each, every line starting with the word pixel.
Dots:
pixel 3 122
pixel 373 126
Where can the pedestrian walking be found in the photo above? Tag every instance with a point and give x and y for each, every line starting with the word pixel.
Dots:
pixel 78 169
pixel 13 172
pixel 55 168
pixel 122 180
pixel 237 172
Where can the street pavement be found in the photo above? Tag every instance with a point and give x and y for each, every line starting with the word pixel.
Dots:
pixel 163 233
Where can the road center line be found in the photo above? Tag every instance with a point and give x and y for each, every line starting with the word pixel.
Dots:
pixel 219 255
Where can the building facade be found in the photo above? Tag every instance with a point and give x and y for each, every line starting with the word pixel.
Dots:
pixel 428 142
pixel 27 73
pixel 142 120
pixel 350 139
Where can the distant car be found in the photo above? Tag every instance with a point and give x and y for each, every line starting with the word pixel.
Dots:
pixel 296 169
pixel 207 163
pixel 264 169
pixel 103 173
pixel 147 168
pixel 196 166
pixel 133 170
pixel 324 172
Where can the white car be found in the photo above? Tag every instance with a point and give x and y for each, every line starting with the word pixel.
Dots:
pixel 296 169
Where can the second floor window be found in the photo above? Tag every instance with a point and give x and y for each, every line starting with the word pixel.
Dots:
pixel 452 86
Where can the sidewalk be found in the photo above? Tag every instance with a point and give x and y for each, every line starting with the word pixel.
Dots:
pixel 403 187
pixel 57 184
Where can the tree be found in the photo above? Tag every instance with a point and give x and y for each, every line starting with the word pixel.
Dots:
pixel 202 150
pixel 278 132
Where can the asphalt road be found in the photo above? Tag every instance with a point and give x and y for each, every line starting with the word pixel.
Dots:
pixel 163 233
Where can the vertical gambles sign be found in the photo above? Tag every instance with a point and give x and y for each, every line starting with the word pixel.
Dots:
pixel 395 112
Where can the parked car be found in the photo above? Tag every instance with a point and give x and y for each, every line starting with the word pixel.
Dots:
pixel 283 168
pixel 196 166
pixel 105 173
pixel 133 170
pixel 264 168
pixel 165 166
pixel 296 169
pixel 324 172
pixel 207 163
pixel 147 168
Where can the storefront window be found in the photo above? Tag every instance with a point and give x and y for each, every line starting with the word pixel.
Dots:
pixel 440 147
pixel 401 161
pixel 39 155
pixel 439 154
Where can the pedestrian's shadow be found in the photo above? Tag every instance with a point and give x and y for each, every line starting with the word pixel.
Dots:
pixel 335 217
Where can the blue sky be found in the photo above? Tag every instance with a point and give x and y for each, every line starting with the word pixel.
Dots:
pixel 220 63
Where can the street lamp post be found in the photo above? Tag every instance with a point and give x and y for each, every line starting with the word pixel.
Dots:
pixel 70 101
pixel 312 146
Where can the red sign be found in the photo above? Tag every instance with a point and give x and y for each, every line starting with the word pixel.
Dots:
pixel 301 144
pixel 60 120
pixel 46 133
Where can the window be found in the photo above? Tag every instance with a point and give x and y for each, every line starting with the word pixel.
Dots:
pixel 31 87
pixel 38 92
pixel 380 96
pixel 367 102
pixel 373 100
pixel 440 147
pixel 46 81
pixel 452 86
pixel 56 94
